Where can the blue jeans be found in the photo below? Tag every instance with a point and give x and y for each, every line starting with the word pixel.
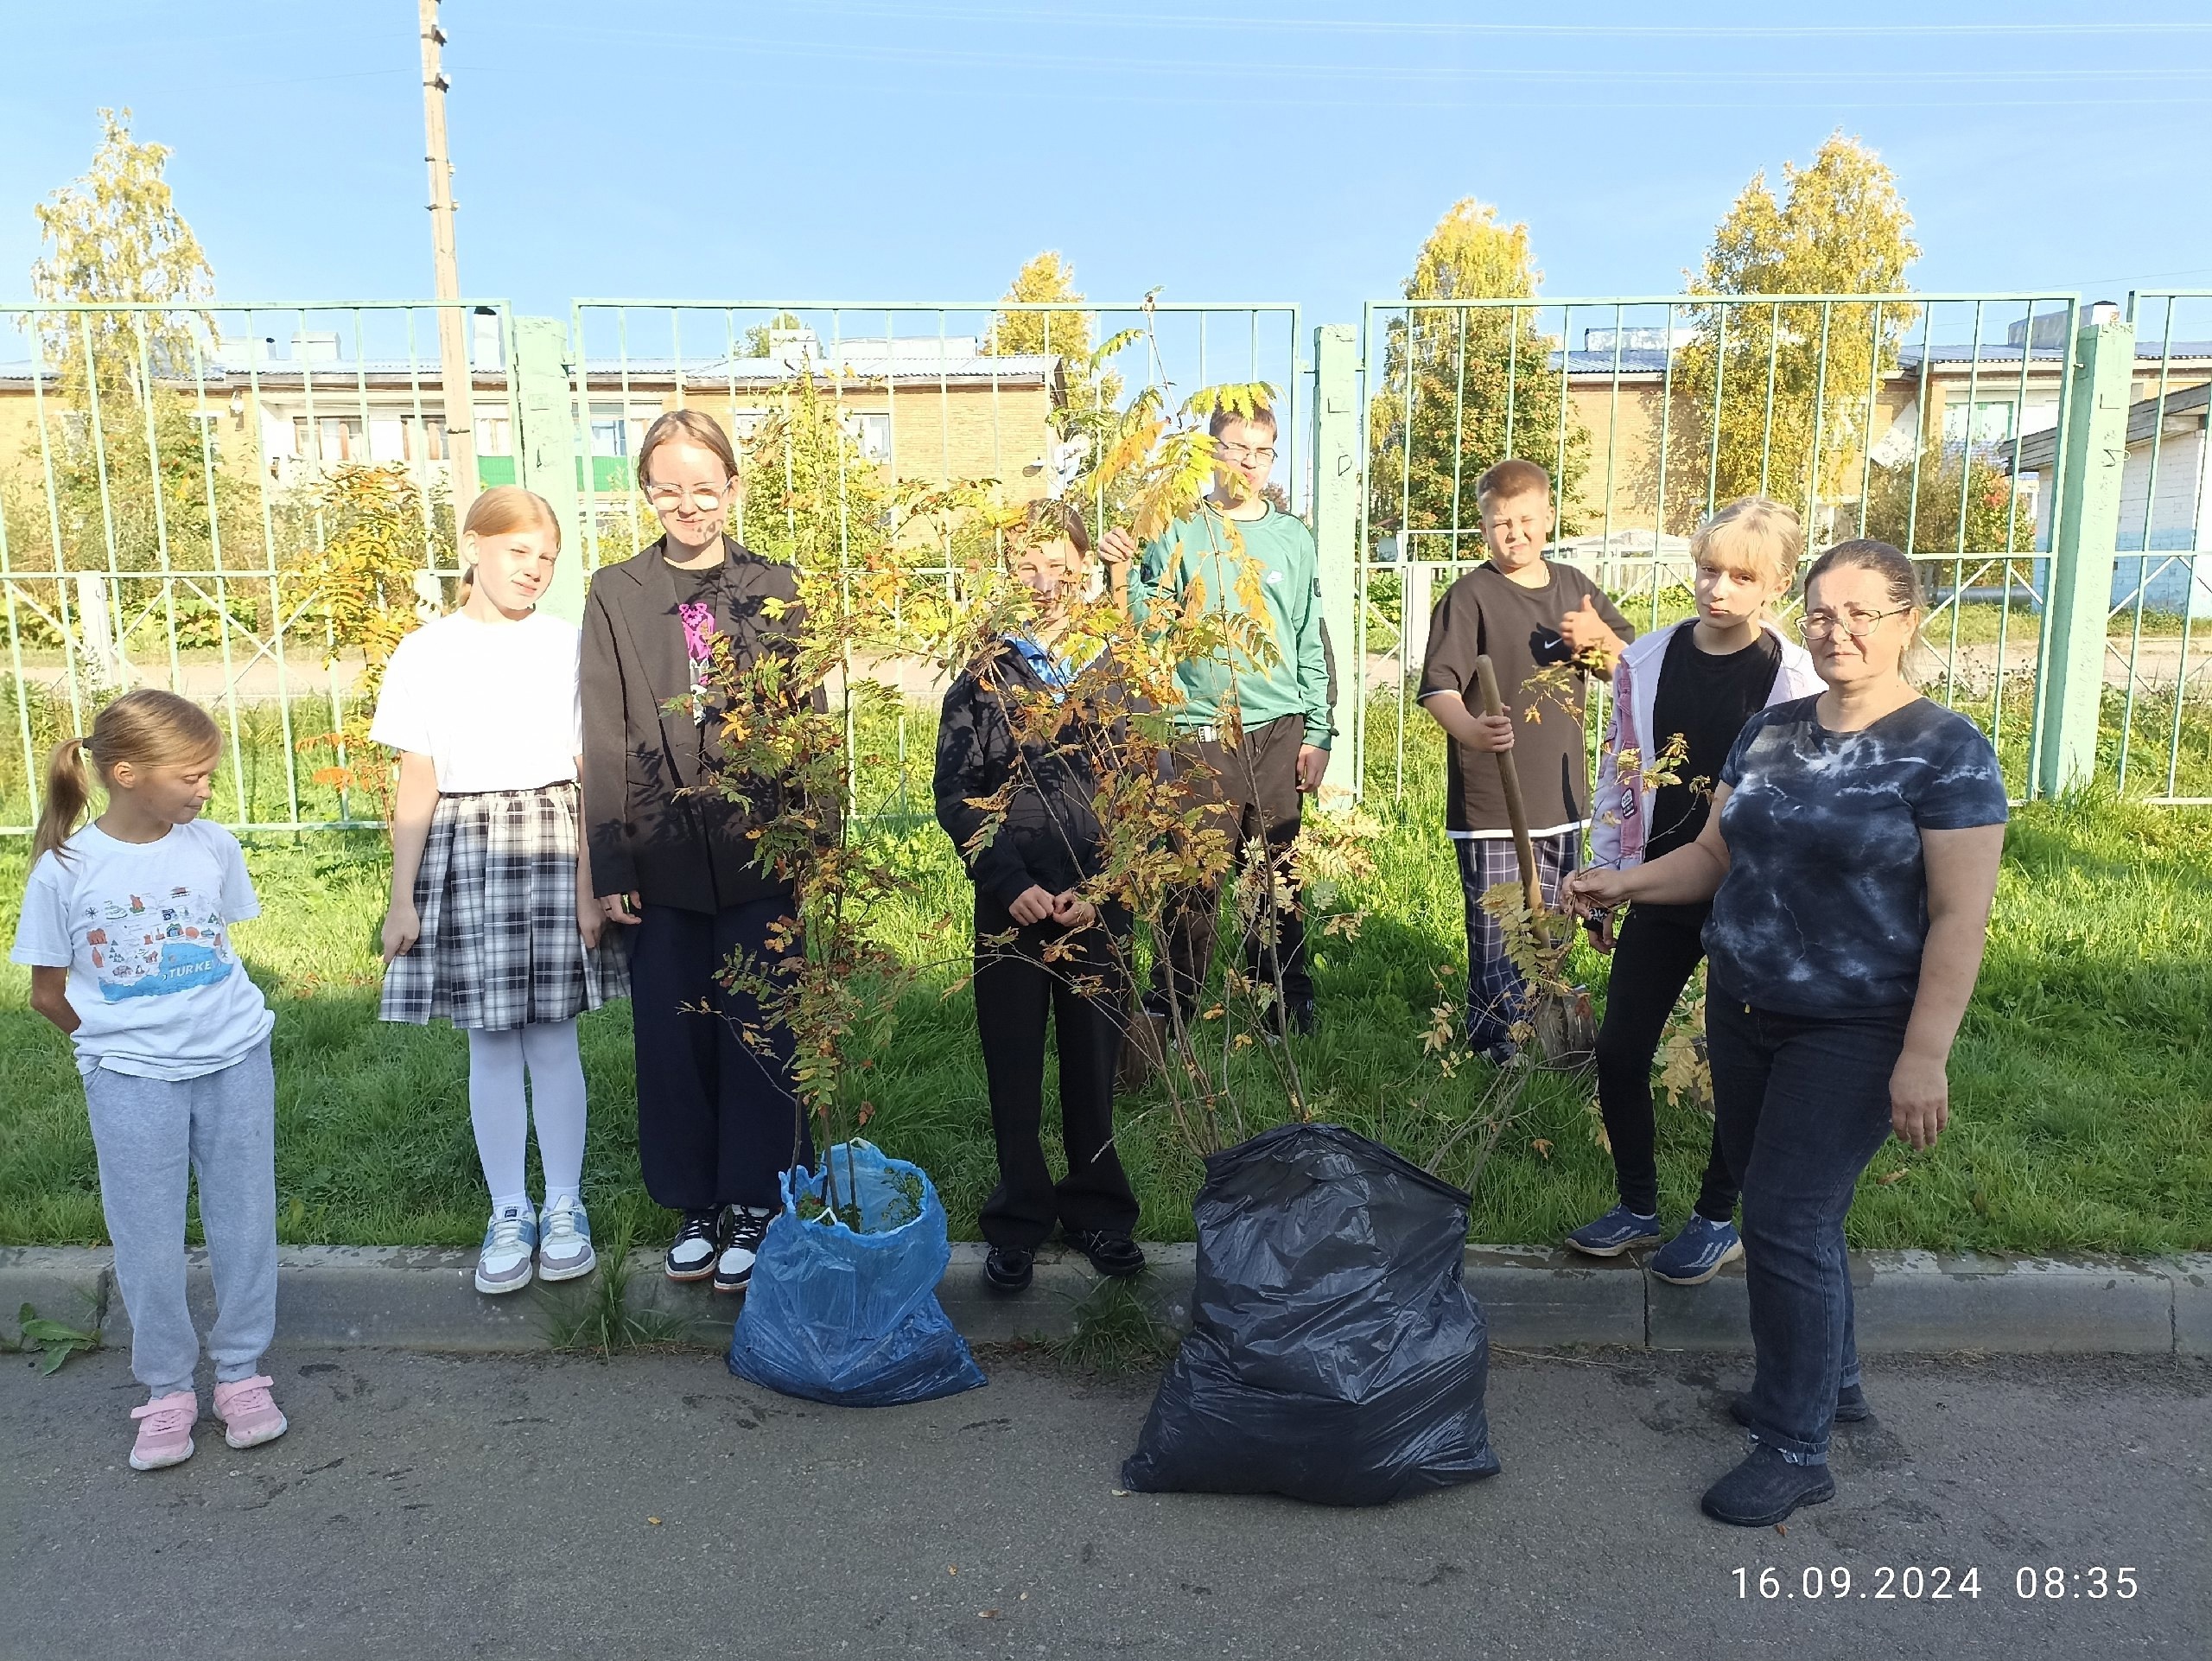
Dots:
pixel 1801 1104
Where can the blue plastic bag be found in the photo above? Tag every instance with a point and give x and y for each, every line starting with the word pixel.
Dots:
pixel 852 1319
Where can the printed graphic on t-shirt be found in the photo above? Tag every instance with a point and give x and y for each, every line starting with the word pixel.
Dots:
pixel 1548 646
pixel 149 945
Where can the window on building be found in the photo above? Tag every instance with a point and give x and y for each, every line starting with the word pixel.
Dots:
pixel 1992 423
pixel 610 431
pixel 330 438
pixel 873 434
pixel 494 432
pixel 426 438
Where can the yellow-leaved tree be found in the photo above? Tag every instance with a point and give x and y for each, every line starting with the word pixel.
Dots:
pixel 1773 398
pixel 114 238
pixel 1464 387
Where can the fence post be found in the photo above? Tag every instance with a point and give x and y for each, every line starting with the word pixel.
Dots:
pixel 1335 529
pixel 2092 456
pixel 545 448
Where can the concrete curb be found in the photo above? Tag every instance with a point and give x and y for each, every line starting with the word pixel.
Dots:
pixel 1535 1297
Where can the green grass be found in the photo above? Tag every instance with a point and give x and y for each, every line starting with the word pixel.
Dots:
pixel 2084 1117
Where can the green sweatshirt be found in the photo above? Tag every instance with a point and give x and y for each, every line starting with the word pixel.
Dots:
pixel 1295 679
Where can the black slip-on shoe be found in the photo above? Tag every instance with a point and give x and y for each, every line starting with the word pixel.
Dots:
pixel 1008 1269
pixel 1114 1255
pixel 1851 1408
pixel 1765 1489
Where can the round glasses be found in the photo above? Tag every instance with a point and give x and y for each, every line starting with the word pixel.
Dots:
pixel 1242 453
pixel 666 499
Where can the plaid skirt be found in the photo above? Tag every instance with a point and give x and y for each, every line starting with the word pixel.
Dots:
pixel 497 896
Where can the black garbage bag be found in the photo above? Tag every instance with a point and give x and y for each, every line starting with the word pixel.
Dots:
pixel 1335 1355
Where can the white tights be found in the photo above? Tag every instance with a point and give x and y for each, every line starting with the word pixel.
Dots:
pixel 496 1064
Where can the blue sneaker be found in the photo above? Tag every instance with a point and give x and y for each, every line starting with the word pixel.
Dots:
pixel 1615 1233
pixel 503 1264
pixel 1695 1256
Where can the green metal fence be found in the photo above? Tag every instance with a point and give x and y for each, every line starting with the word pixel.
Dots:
pixel 1894 416
pixel 2163 591
pixel 175 487
pixel 194 500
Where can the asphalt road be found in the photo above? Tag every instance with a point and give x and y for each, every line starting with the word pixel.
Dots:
pixel 425 1507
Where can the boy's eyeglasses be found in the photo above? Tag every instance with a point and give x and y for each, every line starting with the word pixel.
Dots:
pixel 705 498
pixel 1819 625
pixel 1243 453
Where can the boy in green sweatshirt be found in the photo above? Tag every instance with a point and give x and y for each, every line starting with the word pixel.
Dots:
pixel 1280 698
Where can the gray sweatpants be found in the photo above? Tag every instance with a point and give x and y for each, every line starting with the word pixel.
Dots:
pixel 150 1134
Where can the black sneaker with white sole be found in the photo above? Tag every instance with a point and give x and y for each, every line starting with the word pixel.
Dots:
pixel 691 1257
pixel 740 1248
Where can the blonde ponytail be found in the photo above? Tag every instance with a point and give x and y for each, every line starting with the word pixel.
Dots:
pixel 68 795
pixel 148 728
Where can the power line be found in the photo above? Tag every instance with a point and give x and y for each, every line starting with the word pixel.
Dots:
pixel 1412 26
pixel 1093 63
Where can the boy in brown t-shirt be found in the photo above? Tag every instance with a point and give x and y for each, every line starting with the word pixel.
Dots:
pixel 1528 614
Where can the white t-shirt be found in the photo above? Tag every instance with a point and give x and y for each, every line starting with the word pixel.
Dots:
pixel 495 706
pixel 143 929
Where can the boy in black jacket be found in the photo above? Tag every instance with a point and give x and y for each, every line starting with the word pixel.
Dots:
pixel 1027 872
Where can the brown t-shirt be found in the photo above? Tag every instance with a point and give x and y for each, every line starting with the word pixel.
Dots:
pixel 1486 611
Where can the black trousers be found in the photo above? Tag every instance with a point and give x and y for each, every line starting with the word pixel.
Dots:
pixel 717 1120
pixel 1658 948
pixel 1802 1105
pixel 1017 991
pixel 1252 789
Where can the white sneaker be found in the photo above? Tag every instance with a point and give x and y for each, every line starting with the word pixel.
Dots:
pixel 564 1250
pixel 733 1268
pixel 503 1264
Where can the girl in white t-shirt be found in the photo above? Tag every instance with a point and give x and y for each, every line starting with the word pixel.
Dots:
pixel 493 923
pixel 126 927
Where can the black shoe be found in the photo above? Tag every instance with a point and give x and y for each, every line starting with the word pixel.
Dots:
pixel 697 1243
pixel 1303 1018
pixel 740 1248
pixel 1851 1407
pixel 1765 1489
pixel 1008 1269
pixel 1114 1255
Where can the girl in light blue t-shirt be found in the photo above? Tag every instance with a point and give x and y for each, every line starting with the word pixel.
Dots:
pixel 126 928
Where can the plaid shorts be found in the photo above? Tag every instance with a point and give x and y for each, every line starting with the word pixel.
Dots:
pixel 497 895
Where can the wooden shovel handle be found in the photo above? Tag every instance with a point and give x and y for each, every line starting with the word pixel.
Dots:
pixel 1509 779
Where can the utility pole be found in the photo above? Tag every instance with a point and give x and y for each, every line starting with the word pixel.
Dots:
pixel 453 333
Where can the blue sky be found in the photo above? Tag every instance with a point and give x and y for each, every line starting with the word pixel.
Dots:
pixel 1277 150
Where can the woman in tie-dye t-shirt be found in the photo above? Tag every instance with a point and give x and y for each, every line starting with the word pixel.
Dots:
pixel 1851 859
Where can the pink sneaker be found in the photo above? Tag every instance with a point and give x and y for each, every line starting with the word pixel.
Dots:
pixel 164 1430
pixel 249 1417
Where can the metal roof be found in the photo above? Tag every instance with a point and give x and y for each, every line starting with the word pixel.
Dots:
pixel 900 366
pixel 2040 450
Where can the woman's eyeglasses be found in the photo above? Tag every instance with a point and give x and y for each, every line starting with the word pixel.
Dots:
pixel 1819 625
pixel 667 498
